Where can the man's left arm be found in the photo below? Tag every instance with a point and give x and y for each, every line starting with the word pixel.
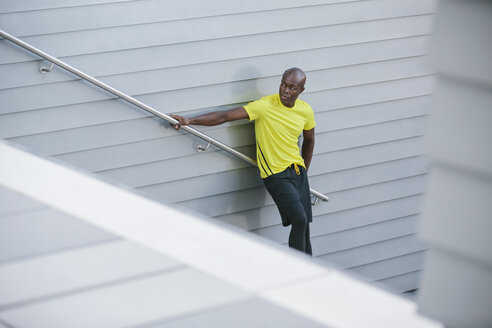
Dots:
pixel 308 146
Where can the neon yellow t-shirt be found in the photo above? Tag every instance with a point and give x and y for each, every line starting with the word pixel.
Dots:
pixel 277 130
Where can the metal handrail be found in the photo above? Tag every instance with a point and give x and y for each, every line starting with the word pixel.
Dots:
pixel 134 101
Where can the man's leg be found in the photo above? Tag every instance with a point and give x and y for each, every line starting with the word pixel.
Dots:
pixel 305 196
pixel 309 249
pixel 284 189
pixel 299 230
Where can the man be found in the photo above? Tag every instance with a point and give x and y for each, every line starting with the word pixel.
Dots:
pixel 279 121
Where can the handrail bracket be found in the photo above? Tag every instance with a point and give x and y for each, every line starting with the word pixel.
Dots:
pixel 200 148
pixel 43 69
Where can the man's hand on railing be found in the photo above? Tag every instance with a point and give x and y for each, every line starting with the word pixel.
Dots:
pixel 182 121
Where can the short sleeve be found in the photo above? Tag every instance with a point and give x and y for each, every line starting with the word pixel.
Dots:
pixel 254 109
pixel 310 123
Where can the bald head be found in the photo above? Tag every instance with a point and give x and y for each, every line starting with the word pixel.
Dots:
pixel 297 73
pixel 292 85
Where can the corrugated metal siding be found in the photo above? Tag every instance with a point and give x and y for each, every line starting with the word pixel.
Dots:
pixel 367 82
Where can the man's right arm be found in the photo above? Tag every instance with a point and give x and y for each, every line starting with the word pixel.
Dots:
pixel 213 118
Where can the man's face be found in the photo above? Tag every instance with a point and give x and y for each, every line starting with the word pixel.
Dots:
pixel 291 87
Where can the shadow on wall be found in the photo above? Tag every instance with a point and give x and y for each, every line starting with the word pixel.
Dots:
pixel 248 88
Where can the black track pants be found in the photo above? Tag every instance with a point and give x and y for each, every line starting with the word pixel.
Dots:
pixel 290 191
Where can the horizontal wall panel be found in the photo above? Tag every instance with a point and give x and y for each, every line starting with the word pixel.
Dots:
pixel 370 134
pixel 14 6
pixel 156 149
pixel 33 97
pixel 339 201
pixel 364 235
pixel 228 60
pixel 66 117
pixel 205 185
pixel 373 113
pixel 403 283
pixel 364 215
pixel 49 275
pixel 85 42
pixel 230 202
pixel 366 155
pixel 36 97
pixel 385 190
pixel 96 136
pixel 178 168
pixel 44 231
pixel 157 298
pixel 369 93
pixel 391 267
pixel 375 252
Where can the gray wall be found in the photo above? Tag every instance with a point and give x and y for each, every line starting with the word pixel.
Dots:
pixel 367 82
pixel 457 283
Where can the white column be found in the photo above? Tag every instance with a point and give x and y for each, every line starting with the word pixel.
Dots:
pixel 457 220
